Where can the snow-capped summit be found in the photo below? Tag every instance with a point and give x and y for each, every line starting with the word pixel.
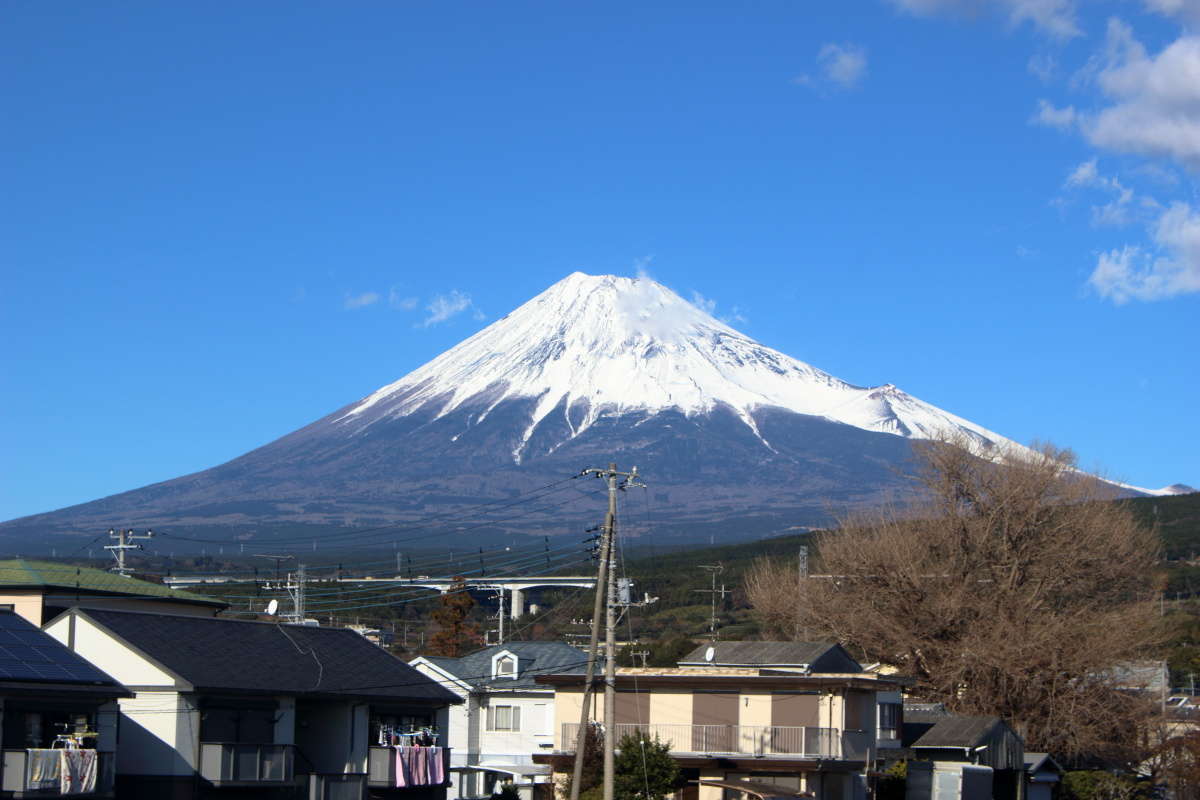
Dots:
pixel 600 345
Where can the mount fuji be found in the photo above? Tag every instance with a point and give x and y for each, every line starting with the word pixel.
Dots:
pixel 731 435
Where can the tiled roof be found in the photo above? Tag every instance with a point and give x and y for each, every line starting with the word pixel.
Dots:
pixel 234 655
pixel 533 659
pixel 23 573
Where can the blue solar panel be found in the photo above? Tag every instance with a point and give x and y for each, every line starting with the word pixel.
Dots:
pixel 28 654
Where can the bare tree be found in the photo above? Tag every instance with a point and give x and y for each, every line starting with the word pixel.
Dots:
pixel 1012 588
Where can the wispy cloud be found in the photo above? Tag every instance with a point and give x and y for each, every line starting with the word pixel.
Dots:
pixel 1042 66
pixel 1056 18
pixel 401 302
pixel 641 266
pixel 1170 268
pixel 353 302
pixel 840 66
pixel 735 316
pixel 1118 209
pixel 703 303
pixel 1061 118
pixel 444 306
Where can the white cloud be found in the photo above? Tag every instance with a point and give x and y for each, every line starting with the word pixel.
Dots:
pixel 710 307
pixel 1042 66
pixel 444 306
pixel 841 66
pixel 1054 17
pixel 356 301
pixel 641 266
pixel 1188 9
pixel 400 302
pixel 1155 108
pixel 703 303
pixel 1051 117
pixel 1118 209
pixel 1172 269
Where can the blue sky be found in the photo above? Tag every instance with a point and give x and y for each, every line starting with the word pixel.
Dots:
pixel 222 222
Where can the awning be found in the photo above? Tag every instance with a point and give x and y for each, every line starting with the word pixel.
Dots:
pixel 759 789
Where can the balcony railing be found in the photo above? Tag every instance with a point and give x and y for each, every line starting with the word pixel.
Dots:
pixel 752 740
pixel 347 786
pixel 381 768
pixel 39 773
pixel 236 764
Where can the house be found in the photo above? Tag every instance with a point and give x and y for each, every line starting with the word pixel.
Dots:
pixel 1042 773
pixel 506 715
pixel 982 754
pixel 801 716
pixel 58 717
pixel 221 706
pixel 41 590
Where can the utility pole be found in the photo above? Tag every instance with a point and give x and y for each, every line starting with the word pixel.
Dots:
pixel 500 614
pixel 802 594
pixel 125 541
pixel 606 585
pixel 714 570
pixel 295 590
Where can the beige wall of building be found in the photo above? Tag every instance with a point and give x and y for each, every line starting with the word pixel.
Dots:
pixel 26 603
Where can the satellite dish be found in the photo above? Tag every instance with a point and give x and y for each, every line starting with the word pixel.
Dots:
pixel 709 653
pixel 272 607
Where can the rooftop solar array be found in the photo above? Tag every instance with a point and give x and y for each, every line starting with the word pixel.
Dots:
pixel 28 654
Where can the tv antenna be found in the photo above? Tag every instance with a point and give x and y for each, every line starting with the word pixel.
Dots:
pixel 714 570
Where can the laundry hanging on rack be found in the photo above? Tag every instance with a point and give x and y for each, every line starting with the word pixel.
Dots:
pixel 78 771
pixel 43 769
pixel 419 766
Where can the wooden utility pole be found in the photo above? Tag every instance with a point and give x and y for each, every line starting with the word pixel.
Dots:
pixel 593 646
pixel 610 667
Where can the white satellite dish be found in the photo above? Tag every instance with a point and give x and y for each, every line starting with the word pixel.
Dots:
pixel 272 607
pixel 709 653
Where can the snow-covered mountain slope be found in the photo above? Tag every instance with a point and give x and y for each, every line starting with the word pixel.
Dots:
pixel 596 345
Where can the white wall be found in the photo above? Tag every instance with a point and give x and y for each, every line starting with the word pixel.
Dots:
pixel 536 734
pixel 159 735
pixel 106 653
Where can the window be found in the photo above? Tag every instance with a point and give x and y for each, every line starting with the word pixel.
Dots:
pixel 504 718
pixel 504 665
pixel 889 720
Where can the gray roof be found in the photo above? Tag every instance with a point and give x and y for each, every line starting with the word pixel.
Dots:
pixel 533 659
pixel 215 653
pixel 956 731
pixel 775 654
pixel 1040 762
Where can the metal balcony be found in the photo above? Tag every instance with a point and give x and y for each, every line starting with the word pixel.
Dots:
pixel 236 764
pixel 758 741
pixel 39 773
